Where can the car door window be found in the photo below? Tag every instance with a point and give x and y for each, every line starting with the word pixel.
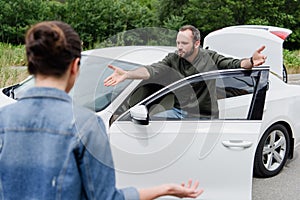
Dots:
pixel 225 95
pixel 234 86
pixel 220 98
pixel 234 96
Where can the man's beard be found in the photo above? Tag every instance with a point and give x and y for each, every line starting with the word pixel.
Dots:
pixel 187 54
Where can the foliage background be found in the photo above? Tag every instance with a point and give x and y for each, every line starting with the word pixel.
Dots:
pixel 97 20
pixel 107 22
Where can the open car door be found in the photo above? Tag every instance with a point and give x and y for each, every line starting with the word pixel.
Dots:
pixel 149 149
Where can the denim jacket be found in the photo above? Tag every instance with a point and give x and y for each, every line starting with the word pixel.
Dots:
pixel 50 149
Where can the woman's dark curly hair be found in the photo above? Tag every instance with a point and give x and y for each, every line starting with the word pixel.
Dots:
pixel 51 46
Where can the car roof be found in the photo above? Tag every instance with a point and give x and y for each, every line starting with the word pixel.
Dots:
pixel 241 42
pixel 143 55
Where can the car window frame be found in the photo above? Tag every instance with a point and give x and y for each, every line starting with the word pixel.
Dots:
pixel 255 111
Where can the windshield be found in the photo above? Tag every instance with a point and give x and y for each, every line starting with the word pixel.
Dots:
pixel 89 90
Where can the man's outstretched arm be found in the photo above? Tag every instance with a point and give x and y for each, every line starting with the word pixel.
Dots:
pixel 120 75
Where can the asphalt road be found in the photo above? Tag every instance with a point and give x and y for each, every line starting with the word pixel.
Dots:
pixel 294 79
pixel 286 185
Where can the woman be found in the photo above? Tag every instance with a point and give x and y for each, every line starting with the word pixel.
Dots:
pixel 50 149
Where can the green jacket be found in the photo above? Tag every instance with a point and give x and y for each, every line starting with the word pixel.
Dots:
pixel 199 98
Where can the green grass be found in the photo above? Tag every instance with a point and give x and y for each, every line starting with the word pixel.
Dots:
pixel 292 61
pixel 11 58
pixel 15 56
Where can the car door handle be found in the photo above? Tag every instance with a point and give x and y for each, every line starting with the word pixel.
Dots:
pixel 237 144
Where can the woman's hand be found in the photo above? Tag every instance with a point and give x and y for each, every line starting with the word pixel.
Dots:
pixel 185 190
pixel 188 190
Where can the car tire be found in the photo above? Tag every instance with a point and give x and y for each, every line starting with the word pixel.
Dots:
pixel 272 152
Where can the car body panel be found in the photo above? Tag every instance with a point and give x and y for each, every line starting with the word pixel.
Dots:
pixel 282 102
pixel 5 100
pixel 180 151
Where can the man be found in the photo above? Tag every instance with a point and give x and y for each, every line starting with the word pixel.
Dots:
pixel 189 59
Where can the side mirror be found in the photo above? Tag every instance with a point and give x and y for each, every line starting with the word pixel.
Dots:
pixel 139 115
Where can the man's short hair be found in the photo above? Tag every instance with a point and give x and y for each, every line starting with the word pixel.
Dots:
pixel 195 31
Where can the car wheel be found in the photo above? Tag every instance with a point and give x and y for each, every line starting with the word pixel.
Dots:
pixel 272 152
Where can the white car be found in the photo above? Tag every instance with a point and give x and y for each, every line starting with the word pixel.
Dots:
pixel 256 132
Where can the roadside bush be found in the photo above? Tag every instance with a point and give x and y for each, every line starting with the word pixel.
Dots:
pixel 292 61
pixel 97 20
pixel 16 17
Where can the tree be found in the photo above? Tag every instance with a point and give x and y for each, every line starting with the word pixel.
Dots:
pixel 209 15
pixel 167 9
pixel 98 20
pixel 17 16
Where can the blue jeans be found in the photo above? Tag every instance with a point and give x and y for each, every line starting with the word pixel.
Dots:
pixel 174 113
